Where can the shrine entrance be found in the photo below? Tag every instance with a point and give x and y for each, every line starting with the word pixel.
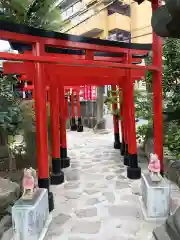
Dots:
pixel 52 61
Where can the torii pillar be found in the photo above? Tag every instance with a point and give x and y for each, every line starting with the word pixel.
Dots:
pixel 133 171
pixel 65 160
pixel 41 125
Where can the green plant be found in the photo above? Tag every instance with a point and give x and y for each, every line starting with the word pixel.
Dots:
pixel 114 97
pixel 141 133
pixel 42 14
pixel 10 112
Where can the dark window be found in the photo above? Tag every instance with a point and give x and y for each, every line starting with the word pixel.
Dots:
pixel 123 9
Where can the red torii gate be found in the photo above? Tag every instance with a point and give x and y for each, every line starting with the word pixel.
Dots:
pixel 89 69
pixel 28 69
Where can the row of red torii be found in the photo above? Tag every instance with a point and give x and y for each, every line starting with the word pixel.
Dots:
pixel 100 62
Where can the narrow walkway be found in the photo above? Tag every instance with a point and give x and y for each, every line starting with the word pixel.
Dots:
pixel 96 200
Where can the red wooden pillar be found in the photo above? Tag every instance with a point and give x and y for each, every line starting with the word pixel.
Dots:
pixel 57 176
pixel 117 144
pixel 133 171
pixel 125 121
pixel 157 92
pixel 122 125
pixel 73 119
pixel 41 125
pixel 65 160
pixel 79 126
pixel 66 105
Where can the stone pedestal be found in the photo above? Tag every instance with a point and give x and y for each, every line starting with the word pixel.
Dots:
pixel 31 217
pixel 155 199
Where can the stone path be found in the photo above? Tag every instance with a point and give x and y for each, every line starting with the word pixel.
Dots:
pixel 96 200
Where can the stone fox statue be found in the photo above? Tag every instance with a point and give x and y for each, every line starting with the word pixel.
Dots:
pixel 154 167
pixel 29 183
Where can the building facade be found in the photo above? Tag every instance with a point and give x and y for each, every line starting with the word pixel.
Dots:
pixel 119 20
pixel 116 20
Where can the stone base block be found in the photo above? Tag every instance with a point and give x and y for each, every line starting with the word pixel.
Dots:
pixel 85 121
pixel 31 217
pixel 155 199
pixel 160 233
pixel 92 122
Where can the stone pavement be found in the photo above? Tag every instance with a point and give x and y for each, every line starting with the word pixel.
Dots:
pixel 96 200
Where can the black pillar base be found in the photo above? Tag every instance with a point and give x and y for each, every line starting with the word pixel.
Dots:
pixel 126 160
pixel 117 144
pixel 44 183
pixel 122 148
pixel 133 171
pixel 73 124
pixel 51 201
pixel 126 155
pixel 57 178
pixel 80 128
pixel 74 127
pixel 65 160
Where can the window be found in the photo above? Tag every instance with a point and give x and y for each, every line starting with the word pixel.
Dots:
pixel 71 10
pixel 119 8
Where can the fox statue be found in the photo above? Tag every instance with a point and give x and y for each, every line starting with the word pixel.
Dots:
pixel 29 183
pixel 154 168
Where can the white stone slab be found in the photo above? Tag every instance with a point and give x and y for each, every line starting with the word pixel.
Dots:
pixel 155 199
pixel 31 217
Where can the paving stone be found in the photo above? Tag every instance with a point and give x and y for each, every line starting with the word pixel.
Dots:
pixel 93 201
pixel 105 170
pixel 86 166
pixel 56 224
pixel 96 160
pixel 101 185
pixel 84 213
pixel 130 198
pixel 110 177
pixel 96 180
pixel 120 238
pixel 91 191
pixel 119 171
pixel 109 196
pixel 86 227
pixel 121 177
pixel 73 175
pixel 72 195
pixel 128 228
pixel 75 165
pixel 76 238
pixel 90 185
pixel 71 185
pixel 93 177
pixel 121 185
pixel 124 211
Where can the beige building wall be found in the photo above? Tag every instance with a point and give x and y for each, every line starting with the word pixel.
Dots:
pixel 139 24
pixel 141 30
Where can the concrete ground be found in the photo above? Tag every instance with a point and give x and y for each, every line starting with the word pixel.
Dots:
pixel 97 200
